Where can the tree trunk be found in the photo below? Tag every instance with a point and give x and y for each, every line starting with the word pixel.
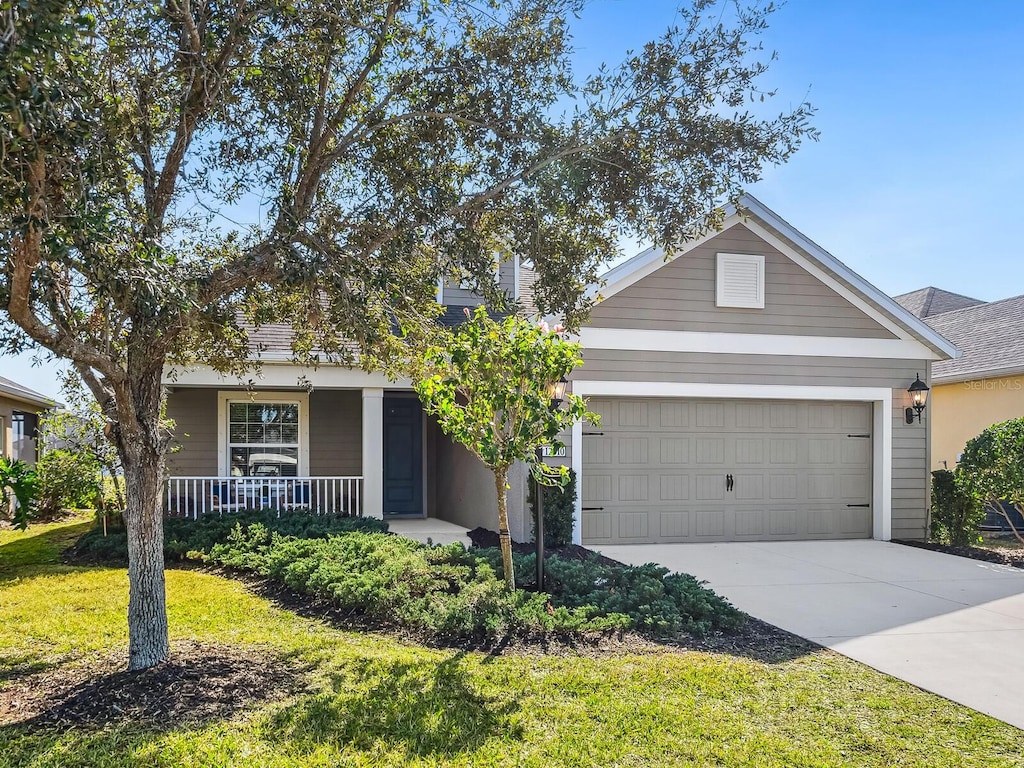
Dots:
pixel 504 537
pixel 141 448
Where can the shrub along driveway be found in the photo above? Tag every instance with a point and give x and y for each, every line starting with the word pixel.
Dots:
pixel 948 624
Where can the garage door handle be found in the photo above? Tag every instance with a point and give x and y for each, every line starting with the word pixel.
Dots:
pixel 592 509
pixel 858 435
pixel 858 505
pixel 728 482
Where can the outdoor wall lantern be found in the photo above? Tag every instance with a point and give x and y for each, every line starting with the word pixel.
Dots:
pixel 918 398
pixel 556 391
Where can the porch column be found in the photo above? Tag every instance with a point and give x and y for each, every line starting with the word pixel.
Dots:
pixel 373 452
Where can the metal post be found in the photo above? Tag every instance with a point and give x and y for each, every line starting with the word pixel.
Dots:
pixel 540 527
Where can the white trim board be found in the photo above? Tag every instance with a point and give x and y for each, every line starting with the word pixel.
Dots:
pixel 282 376
pixel 225 397
pixel 753 344
pixel 881 397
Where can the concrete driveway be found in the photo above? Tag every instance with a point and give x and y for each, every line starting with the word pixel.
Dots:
pixel 946 624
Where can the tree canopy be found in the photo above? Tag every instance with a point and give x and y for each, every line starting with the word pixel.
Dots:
pixel 173 172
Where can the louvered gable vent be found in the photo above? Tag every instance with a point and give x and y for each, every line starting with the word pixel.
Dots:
pixel 740 281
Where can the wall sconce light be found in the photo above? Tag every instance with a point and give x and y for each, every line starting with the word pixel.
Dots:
pixel 556 391
pixel 918 398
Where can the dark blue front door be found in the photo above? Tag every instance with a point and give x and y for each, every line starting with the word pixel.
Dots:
pixel 403 456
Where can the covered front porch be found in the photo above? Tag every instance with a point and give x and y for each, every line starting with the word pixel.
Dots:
pixel 366 450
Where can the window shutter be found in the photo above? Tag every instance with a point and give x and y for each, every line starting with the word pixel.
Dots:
pixel 740 281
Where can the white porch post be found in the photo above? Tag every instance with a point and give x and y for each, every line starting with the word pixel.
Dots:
pixel 373 452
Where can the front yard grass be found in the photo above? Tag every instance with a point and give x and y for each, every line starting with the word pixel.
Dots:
pixel 372 700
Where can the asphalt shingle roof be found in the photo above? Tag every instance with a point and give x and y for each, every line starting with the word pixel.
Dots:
pixel 929 301
pixel 991 337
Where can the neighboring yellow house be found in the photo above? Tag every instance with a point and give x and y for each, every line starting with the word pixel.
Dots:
pixel 986 384
pixel 19 418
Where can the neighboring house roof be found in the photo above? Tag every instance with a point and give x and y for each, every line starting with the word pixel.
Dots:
pixel 872 301
pixel 16 391
pixel 929 301
pixel 991 336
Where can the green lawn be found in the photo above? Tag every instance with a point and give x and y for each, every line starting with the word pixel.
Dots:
pixel 375 701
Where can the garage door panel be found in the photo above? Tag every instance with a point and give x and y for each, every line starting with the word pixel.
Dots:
pixel 749 450
pixel 783 450
pixel 749 523
pixel 658 471
pixel 633 487
pixel 710 523
pixel 674 487
pixel 633 450
pixel 820 522
pixel 673 415
pixel 674 450
pixel 674 525
pixel 749 487
pixel 633 413
pixel 710 487
pixel 821 487
pixel 709 450
pixel 633 525
pixel 710 415
pixel 597 450
pixel 783 487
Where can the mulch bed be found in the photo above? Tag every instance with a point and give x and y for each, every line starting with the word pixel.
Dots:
pixel 487 539
pixel 200 683
pixel 1014 557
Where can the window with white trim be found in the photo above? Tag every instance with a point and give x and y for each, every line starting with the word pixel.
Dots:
pixel 739 280
pixel 263 438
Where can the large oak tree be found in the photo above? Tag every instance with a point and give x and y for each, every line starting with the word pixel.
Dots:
pixel 172 168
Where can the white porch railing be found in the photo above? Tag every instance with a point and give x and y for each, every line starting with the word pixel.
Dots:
pixel 195 496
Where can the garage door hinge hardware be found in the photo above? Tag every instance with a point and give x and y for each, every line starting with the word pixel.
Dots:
pixel 593 509
pixel 858 505
pixel 591 434
pixel 858 435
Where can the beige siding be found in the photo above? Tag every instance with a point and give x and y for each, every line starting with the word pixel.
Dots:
pixel 335 432
pixel 909 472
pixel 680 296
pixel 194 412
pixel 465 493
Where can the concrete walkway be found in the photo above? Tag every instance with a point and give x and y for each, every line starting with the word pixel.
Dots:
pixel 947 624
pixel 429 530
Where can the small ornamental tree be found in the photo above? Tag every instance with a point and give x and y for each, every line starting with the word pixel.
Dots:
pixel 992 469
pixel 488 384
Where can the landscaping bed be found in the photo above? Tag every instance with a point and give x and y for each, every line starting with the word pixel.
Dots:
pixel 200 683
pixel 1011 555
pixel 441 594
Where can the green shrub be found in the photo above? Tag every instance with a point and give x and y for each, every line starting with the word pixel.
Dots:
pixel 559 509
pixel 184 536
pixel 19 489
pixel 67 480
pixel 956 514
pixel 442 592
pixel 656 601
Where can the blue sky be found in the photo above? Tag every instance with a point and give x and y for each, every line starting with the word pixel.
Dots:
pixel 914 181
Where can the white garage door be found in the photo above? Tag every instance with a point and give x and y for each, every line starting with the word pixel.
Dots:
pixel 670 470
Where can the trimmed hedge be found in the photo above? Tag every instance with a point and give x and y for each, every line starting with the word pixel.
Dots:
pixel 183 535
pixel 440 592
